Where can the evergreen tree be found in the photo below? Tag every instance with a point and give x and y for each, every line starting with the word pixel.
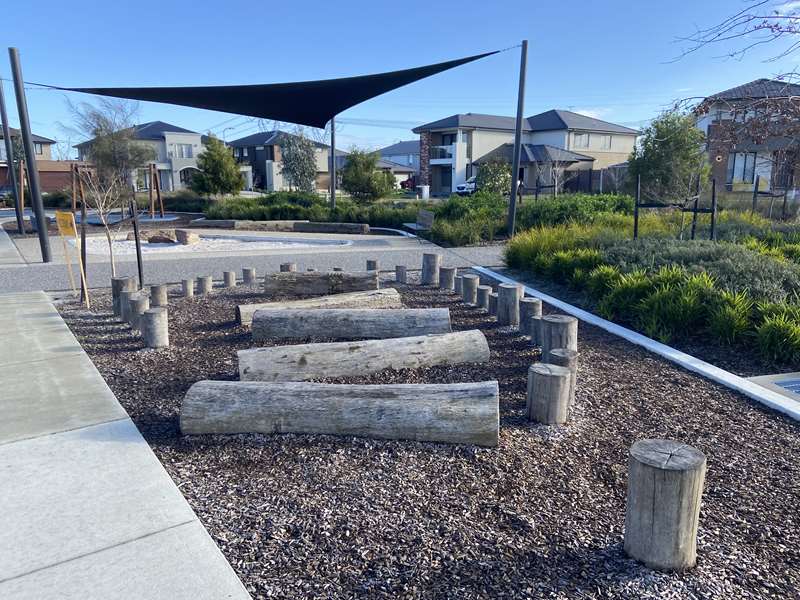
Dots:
pixel 219 174
pixel 299 162
pixel 362 179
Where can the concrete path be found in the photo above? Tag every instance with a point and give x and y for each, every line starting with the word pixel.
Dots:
pixel 88 511
pixel 8 251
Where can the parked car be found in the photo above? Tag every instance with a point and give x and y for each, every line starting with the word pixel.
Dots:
pixel 467 188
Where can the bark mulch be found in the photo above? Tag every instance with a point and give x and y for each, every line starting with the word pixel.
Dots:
pixel 541 516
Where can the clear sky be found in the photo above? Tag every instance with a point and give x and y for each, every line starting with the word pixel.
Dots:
pixel 607 58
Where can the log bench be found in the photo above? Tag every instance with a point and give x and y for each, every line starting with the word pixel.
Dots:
pixel 317 283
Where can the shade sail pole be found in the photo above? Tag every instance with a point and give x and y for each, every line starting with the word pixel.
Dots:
pixel 333 163
pixel 512 201
pixel 12 175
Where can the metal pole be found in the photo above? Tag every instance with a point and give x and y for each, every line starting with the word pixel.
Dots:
pixel 84 282
pixel 30 155
pixel 755 192
pixel 333 163
pixel 636 207
pixel 695 207
pixel 512 200
pixel 785 200
pixel 713 210
pixel 12 175
pixel 135 214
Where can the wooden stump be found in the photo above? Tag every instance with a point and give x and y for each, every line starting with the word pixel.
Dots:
pixel 385 298
pixel 139 304
pixel 453 413
pixel 557 331
pixel 535 330
pixel 319 283
pixel 483 297
pixel 248 276
pixel 204 285
pixel 493 303
pixel 563 357
pixel 348 323
pixel 508 295
pixel 187 287
pixel 337 269
pixel 528 307
pixel 125 297
pixel 548 394
pixel 447 278
pixel 155 327
pixel 354 359
pixel 400 274
pixel 372 265
pixel 229 279
pixel 158 295
pixel 665 486
pixel 469 289
pixel 288 267
pixel 430 269
pixel 458 284
pixel 310 269
pixel 118 285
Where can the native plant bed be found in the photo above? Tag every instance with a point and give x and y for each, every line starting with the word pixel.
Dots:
pixel 541 515
pixel 181 221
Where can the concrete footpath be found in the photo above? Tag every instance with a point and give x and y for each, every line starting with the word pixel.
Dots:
pixel 88 512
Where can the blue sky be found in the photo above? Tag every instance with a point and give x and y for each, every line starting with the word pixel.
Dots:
pixel 611 59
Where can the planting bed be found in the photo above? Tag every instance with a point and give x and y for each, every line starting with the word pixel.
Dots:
pixel 540 516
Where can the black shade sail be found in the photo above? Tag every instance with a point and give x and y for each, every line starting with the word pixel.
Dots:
pixel 311 103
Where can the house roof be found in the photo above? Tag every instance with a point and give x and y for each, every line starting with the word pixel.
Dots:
pixel 760 88
pixel 265 138
pixel 546 121
pixel 535 153
pixel 394 167
pixel 155 130
pixel 15 133
pixel 405 147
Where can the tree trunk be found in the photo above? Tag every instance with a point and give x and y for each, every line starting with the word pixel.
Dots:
pixel 158 295
pixel 508 295
pixel 455 413
pixel 447 278
pixel 348 323
pixel 385 298
pixel 564 357
pixel 483 297
pixel 548 394
pixel 430 269
pixel 528 307
pixel 557 331
pixel 352 359
pixel 319 283
pixel 469 289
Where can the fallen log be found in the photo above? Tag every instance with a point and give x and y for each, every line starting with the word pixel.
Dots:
pixel 318 283
pixel 349 359
pixel 348 323
pixel 385 298
pixel 456 413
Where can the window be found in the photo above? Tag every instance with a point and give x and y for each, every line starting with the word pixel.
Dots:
pixel 244 152
pixel 605 142
pixel 37 148
pixel 183 150
pixel 411 159
pixel 741 167
pixel 581 140
pixel 448 139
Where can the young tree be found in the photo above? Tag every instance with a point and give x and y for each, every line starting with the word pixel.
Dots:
pixel 299 162
pixel 494 176
pixel 362 179
pixel 219 174
pixel 113 154
pixel 670 158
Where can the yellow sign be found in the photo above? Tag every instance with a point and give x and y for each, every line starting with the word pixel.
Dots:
pixel 66 223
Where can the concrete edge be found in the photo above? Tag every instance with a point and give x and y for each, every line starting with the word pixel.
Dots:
pixel 739 384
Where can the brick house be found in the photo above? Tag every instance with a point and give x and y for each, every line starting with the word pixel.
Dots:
pixel 54 175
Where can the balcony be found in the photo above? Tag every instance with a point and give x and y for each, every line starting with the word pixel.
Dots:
pixel 442 153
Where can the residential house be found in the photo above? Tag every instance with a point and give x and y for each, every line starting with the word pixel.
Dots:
pixel 558 147
pixel 404 153
pixel 54 175
pixel 752 130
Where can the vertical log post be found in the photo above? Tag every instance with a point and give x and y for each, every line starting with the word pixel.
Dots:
pixel 248 276
pixel 508 295
pixel 204 285
pixel 469 289
pixel 337 269
pixel 563 357
pixel 558 331
pixel 155 327
pixel 158 295
pixel 430 269
pixel 458 284
pixel 229 278
pixel 125 302
pixel 535 330
pixel 400 274
pixel 548 394
pixel 665 486
pixel 187 286
pixel 118 284
pixel 372 265
pixel 287 267
pixel 493 303
pixel 447 278
pixel 139 304
pixel 483 297
pixel 528 307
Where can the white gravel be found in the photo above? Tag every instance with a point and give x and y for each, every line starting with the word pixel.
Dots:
pixel 122 247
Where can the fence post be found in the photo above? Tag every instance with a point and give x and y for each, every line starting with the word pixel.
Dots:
pixel 538 185
pixel 785 198
pixel 694 209
pixel 636 207
pixel 755 192
pixel 713 236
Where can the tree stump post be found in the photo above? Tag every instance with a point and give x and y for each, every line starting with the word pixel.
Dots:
pixel 508 295
pixel 493 303
pixel 187 287
pixel 289 267
pixel 400 274
pixel 204 285
pixel 564 357
pixel 372 265
pixel 528 307
pixel 139 304
pixel 483 297
pixel 548 394
pixel 229 278
pixel 248 276
pixel 447 278
pixel 158 295
pixel 458 284
pixel 155 327
pixel 665 486
pixel 118 284
pixel 535 330
pixel 337 269
pixel 430 269
pixel 557 331
pixel 469 289
pixel 125 297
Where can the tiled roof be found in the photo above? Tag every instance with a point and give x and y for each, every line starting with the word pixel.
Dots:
pixel 406 147
pixel 15 133
pixel 535 153
pixel 760 88
pixel 546 121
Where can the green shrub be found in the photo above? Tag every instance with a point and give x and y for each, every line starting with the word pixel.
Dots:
pixel 672 310
pixel 778 339
pixel 601 280
pixel 730 319
pixel 59 199
pixel 624 296
pixel 575 208
pixel 565 262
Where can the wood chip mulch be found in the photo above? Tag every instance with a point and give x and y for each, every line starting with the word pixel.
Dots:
pixel 541 516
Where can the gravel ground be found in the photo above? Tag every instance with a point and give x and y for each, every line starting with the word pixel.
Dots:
pixel 541 516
